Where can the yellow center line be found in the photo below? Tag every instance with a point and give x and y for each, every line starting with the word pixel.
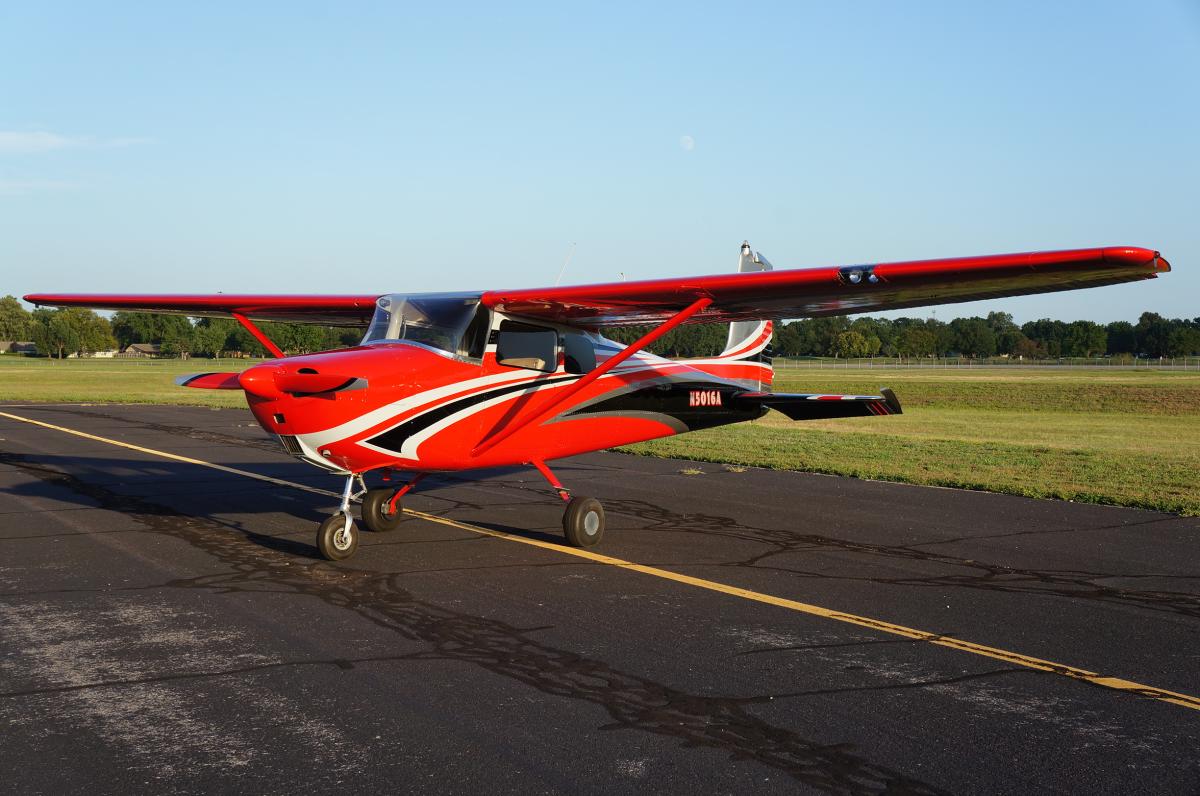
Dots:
pixel 1016 658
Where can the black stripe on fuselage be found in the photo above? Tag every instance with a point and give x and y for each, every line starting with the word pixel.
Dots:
pixel 674 399
pixel 394 438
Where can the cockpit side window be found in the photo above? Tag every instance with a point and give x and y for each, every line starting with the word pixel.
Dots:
pixel 524 345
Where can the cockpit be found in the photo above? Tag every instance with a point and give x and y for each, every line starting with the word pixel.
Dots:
pixel 456 323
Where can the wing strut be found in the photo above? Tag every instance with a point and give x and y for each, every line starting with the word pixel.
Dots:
pixel 610 363
pixel 258 335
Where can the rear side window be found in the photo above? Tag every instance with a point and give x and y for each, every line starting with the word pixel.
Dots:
pixel 523 345
pixel 578 354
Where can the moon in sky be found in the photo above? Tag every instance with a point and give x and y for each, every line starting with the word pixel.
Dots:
pixel 687 142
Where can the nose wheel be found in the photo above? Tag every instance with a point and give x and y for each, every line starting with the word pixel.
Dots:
pixel 337 538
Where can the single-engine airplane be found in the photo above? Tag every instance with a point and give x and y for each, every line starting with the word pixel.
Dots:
pixel 459 381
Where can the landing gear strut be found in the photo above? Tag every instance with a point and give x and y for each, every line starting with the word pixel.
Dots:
pixel 583 521
pixel 337 538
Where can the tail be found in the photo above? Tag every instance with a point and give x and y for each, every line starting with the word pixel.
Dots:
pixel 748 340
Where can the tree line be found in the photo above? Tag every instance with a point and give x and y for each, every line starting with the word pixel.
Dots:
pixel 63 332
pixel 996 335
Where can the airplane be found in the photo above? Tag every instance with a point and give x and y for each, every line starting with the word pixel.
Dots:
pixel 446 382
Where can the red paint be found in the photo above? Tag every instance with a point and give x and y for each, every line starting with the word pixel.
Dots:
pixel 811 292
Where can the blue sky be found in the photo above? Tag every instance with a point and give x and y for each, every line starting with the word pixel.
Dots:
pixel 359 147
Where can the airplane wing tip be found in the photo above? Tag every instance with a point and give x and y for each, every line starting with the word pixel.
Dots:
pixel 1138 256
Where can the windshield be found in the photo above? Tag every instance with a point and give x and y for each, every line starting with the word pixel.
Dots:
pixel 440 321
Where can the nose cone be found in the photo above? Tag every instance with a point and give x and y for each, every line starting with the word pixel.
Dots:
pixel 260 380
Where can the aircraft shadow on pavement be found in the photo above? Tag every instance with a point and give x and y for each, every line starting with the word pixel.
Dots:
pixel 181 490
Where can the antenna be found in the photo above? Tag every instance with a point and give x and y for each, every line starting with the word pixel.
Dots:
pixel 561 271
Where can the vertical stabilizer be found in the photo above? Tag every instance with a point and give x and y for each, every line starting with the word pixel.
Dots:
pixel 748 339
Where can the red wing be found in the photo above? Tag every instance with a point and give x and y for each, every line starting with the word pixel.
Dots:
pixel 812 292
pixel 324 310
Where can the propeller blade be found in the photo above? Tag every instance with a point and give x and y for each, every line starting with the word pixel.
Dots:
pixel 210 381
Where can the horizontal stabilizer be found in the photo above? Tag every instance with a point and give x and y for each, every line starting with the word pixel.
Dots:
pixel 818 406
pixel 210 381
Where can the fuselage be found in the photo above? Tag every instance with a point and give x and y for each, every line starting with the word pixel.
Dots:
pixel 408 404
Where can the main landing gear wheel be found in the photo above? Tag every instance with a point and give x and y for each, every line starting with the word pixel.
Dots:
pixel 583 522
pixel 337 538
pixel 377 513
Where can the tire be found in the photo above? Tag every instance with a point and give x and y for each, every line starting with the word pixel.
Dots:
pixel 583 522
pixel 335 541
pixel 377 515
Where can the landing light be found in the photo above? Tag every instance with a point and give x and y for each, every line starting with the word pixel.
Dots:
pixel 855 277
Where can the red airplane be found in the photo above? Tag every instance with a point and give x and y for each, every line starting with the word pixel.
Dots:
pixel 459 381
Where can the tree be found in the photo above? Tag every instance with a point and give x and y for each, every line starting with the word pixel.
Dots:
pixel 1183 341
pixel 973 337
pixel 1007 333
pixel 1025 348
pixel 916 342
pixel 179 341
pixel 15 321
pixel 1121 338
pixel 943 336
pixel 852 344
pixel 147 327
pixel 1153 333
pixel 878 329
pixel 1084 339
pixel 208 339
pixel 1001 322
pixel 71 330
pixel 1047 334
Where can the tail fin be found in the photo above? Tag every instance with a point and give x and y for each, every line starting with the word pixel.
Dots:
pixel 748 339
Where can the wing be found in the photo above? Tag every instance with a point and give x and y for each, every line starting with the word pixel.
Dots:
pixel 324 310
pixel 813 292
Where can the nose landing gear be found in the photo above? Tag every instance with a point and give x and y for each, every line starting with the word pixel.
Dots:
pixel 337 538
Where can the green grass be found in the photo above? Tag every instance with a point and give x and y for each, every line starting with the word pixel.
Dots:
pixel 1127 438
pixel 1123 437
pixel 140 381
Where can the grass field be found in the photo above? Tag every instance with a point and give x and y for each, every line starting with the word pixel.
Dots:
pixel 1122 437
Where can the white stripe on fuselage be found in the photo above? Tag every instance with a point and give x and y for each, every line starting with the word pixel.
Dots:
pixel 392 411
pixel 318 439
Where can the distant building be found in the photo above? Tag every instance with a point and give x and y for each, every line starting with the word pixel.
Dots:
pixel 138 350
pixel 17 347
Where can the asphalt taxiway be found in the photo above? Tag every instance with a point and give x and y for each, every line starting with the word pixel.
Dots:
pixel 165 625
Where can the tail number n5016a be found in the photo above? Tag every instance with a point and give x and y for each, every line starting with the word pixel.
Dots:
pixel 704 398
